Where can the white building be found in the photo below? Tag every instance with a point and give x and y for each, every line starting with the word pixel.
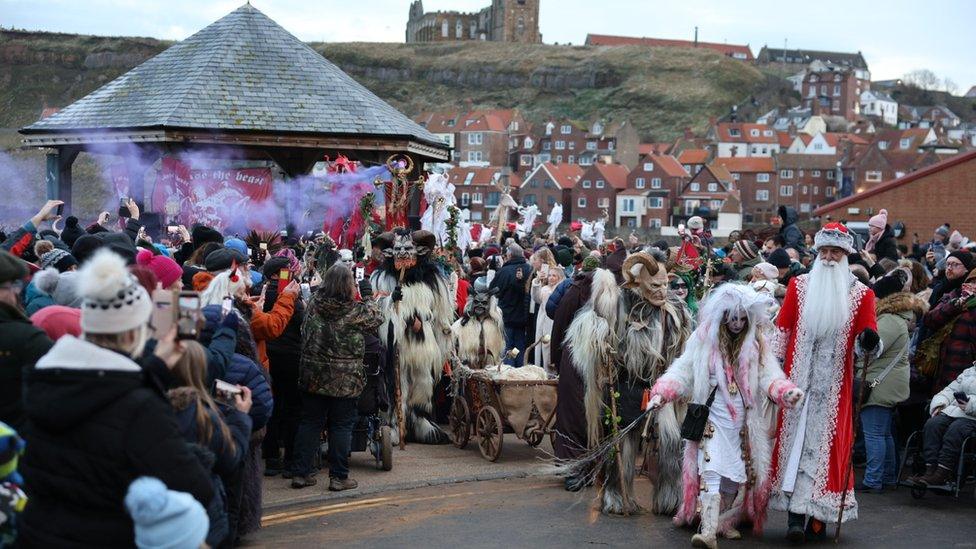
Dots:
pixel 880 104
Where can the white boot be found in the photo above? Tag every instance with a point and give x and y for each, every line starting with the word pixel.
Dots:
pixel 709 521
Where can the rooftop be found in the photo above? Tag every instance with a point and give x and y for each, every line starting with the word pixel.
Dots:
pixel 731 50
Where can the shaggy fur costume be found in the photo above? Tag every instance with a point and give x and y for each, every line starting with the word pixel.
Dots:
pixel 422 354
pixel 759 378
pixel 480 339
pixel 642 349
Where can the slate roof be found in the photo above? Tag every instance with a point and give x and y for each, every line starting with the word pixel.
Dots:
pixel 775 55
pixel 242 72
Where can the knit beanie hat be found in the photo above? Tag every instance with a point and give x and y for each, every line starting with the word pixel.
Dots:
pixel 890 284
pixel 273 266
pixel 293 264
pixel 72 231
pixel 59 259
pixel 564 256
pixel 879 221
pixel 58 321
pixel 67 291
pixel 164 518
pixel 767 270
pixel 747 249
pixel 943 231
pixel 165 269
pixel 202 234
pixel 955 239
pixel 967 259
pixel 121 244
pixel 590 263
pixel 236 244
pixel 113 301
pixel 779 259
pixel 85 247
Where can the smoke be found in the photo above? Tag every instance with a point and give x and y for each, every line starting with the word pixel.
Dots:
pixel 22 187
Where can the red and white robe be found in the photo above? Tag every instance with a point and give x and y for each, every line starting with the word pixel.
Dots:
pixel 813 441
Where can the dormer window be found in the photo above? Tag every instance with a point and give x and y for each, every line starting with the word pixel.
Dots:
pixel 754 132
pixel 734 132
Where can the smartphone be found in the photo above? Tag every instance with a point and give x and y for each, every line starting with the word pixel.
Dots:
pixel 544 271
pixel 60 210
pixel 284 277
pixel 163 313
pixel 172 229
pixel 960 396
pixel 263 246
pixel 225 392
pixel 360 273
pixel 188 314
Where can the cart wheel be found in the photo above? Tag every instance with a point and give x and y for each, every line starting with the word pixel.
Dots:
pixel 386 448
pixel 489 428
pixel 459 421
pixel 918 492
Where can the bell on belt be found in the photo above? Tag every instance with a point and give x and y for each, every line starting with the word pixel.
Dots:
pixel 733 388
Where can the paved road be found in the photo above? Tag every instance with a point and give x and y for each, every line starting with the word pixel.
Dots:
pixel 537 512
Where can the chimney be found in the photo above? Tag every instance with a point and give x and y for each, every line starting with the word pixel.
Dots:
pixel 688 133
pixel 696 36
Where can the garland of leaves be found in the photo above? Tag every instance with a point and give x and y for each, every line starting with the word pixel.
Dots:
pixel 454 216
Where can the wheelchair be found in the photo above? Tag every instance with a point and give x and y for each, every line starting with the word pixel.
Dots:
pixel 913 463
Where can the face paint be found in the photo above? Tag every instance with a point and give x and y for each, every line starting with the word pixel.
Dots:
pixel 735 321
pixel 678 289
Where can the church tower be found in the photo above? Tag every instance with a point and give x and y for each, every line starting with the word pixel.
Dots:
pixel 515 21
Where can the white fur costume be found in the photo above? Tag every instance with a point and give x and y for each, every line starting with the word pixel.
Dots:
pixel 736 450
pixel 480 338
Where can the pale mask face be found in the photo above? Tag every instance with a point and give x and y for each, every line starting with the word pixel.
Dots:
pixel 735 321
pixel 345 256
pixel 678 288
pixel 655 288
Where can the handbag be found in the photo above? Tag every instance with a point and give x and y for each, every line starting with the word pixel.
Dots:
pixel 693 427
pixel 881 377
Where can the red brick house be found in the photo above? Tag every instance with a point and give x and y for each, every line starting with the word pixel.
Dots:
pixel 704 195
pixel 479 137
pixel 550 184
pixel 755 179
pixel 652 186
pixel 597 190
pixel 922 200
pixel 835 92
pixel 478 189
pixel 876 165
pixel 693 160
pixel 805 182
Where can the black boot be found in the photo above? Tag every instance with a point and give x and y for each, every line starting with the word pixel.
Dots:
pixel 794 532
pixel 816 530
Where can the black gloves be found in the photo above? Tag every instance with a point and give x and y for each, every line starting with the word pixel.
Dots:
pixel 869 339
pixel 365 289
pixel 397 294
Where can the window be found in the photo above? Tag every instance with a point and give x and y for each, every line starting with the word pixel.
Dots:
pixel 534 184
pixel 581 202
pixel 611 145
pixel 560 145
pixel 648 166
pixel 804 208
pixel 600 184
pixel 474 156
pixel 468 178
pixel 639 183
pixel 786 190
pixel 712 187
pixel 475 138
pixel 823 89
pixel 476 216
pixel 572 145
pixel 551 200
pixel 547 146
pixel 815 173
pixel 529 200
pixel 762 178
pixel 735 176
pixel 476 198
pixel 836 90
pixel 565 129
pixel 734 132
pixel 786 174
pixel 872 176
pixel 754 132
pixel 695 187
pixel 816 190
pixel 829 192
pixel 762 195
pixel 525 160
pixel 767 133
pixel 655 202
pixel 687 168
pixel 813 78
pixel 445 29
pixel 586 160
pixel 818 146
pixel 549 128
pixel 905 142
pixel 656 183
pixel 591 145
pixel 804 190
pixel 627 205
pixel 883 145
pixel 528 140
pixel 493 198
pixel 465 200
pixel 587 183
pixel 548 185
pixel 559 158
pixel 813 92
pixel 830 175
pixel 603 203
pixel 801 173
pixel 715 204
pixel 631 223
pixel 655 223
pixel 571 159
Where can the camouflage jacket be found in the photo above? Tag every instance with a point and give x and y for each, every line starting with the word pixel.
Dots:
pixel 333 346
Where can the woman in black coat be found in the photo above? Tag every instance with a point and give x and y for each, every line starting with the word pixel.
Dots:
pixel 95 424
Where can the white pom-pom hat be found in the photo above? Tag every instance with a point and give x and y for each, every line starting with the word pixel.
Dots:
pixel 113 301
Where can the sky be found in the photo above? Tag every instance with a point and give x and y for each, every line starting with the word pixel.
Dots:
pixel 895 36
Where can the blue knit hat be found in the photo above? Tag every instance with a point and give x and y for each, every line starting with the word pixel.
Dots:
pixel 164 518
pixel 236 244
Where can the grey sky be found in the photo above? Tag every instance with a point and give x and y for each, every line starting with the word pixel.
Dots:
pixel 895 36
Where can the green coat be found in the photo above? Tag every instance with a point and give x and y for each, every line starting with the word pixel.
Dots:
pixel 21 345
pixel 894 314
pixel 333 346
pixel 745 268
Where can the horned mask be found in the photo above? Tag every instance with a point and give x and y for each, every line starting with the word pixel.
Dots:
pixel 645 276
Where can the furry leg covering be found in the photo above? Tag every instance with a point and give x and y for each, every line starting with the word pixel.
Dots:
pixel 667 490
pixel 613 501
pixel 710 504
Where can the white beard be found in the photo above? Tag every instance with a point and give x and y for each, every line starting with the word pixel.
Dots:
pixel 826 307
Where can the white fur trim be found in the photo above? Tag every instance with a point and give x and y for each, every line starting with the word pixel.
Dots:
pixel 72 353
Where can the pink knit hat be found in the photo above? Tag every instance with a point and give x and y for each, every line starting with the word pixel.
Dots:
pixel 879 221
pixel 58 320
pixel 165 269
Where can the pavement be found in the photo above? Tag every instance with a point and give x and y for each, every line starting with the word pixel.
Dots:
pixel 438 496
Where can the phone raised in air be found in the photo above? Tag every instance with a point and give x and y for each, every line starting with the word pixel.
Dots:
pixel 188 315
pixel 163 312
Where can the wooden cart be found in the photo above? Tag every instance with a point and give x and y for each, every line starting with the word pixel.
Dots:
pixel 489 407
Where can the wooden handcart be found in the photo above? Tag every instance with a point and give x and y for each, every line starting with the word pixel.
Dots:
pixel 489 407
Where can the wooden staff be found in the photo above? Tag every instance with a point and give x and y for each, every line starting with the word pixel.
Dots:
pixel 398 395
pixel 850 456
pixel 612 374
